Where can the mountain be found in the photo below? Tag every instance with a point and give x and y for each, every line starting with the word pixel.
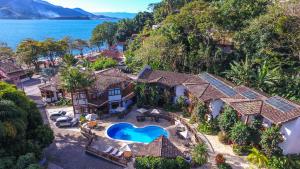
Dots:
pixel 120 15
pixel 38 9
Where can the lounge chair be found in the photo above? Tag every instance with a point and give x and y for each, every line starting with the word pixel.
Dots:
pixel 119 154
pixel 108 149
pixel 114 152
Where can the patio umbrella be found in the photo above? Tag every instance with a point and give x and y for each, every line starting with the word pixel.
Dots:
pixel 127 153
pixel 91 117
pixel 184 134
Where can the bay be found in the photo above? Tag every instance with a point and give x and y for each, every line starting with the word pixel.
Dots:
pixel 13 32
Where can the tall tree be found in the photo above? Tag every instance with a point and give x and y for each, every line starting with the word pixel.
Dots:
pixel 29 51
pixel 80 45
pixel 5 51
pixel 104 34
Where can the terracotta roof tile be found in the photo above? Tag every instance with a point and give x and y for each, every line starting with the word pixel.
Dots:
pixel 244 106
pixel 277 116
pixel 160 147
pixel 170 79
pixel 108 77
pixel 212 93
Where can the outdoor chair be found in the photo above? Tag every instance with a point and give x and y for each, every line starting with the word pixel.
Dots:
pixel 108 149
pixel 119 154
pixel 114 152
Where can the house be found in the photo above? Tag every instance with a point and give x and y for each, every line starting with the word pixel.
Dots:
pixel 160 147
pixel 53 91
pixel 12 73
pixel 170 81
pixel 215 92
pixel 112 90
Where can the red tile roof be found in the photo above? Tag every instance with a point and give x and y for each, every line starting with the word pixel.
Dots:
pixel 108 77
pixel 113 53
pixel 245 106
pixel 160 147
pixel 170 79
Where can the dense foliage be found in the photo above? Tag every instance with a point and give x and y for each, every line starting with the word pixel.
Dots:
pixel 227 119
pixel 270 140
pixel 103 63
pixel 200 154
pixel 251 42
pixel 23 135
pixel 160 163
pixel 240 133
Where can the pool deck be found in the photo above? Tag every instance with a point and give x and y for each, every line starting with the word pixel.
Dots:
pixel 102 141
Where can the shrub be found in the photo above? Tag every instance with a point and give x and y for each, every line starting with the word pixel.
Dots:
pixel 200 154
pixel 241 150
pixel 223 138
pixel 199 112
pixel 219 159
pixel 205 127
pixel 34 166
pixel 240 133
pixel 209 127
pixel 103 63
pixel 224 166
pixel 227 119
pixel 258 158
pixel 160 163
pixel 270 139
pixel 25 160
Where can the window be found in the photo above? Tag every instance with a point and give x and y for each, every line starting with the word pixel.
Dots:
pixel 113 92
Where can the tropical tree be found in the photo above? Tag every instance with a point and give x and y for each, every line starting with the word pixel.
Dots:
pixel 241 73
pixel 270 140
pixel 69 60
pixel 227 119
pixel 104 34
pixel 5 51
pixel 29 51
pixel 74 79
pixel 22 129
pixel 240 134
pixel 257 158
pixel 80 45
pixel 266 76
pixel 200 154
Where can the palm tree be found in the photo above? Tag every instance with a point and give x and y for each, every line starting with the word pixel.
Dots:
pixel 240 73
pixel 258 158
pixel 75 79
pixel 266 76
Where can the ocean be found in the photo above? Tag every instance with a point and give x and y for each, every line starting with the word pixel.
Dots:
pixel 13 32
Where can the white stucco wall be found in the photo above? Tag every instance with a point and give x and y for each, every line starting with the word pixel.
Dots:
pixel 215 107
pixel 291 134
pixel 179 91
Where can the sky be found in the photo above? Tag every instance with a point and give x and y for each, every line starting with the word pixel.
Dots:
pixel 106 5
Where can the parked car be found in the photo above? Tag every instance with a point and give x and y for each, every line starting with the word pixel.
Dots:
pixel 56 115
pixel 66 121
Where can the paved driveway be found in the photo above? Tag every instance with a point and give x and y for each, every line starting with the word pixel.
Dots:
pixel 67 149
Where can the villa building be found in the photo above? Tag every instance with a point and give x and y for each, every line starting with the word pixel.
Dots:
pixel 215 92
pixel 53 91
pixel 113 91
pixel 12 73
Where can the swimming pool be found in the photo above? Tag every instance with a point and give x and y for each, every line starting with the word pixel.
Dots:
pixel 131 133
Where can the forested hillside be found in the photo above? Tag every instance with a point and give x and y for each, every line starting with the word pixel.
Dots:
pixel 250 42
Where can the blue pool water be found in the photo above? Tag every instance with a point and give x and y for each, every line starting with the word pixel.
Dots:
pixel 128 132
